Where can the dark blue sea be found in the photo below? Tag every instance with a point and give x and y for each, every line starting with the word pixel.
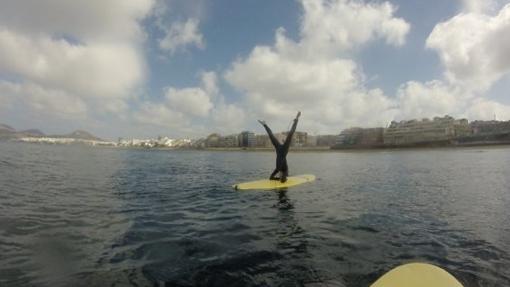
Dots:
pixel 84 216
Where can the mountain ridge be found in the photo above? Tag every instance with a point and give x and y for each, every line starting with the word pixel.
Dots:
pixel 8 132
pixel 78 134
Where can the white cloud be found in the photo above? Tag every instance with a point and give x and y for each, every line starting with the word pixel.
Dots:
pixel 435 98
pixel 310 75
pixel 210 83
pixel 180 35
pixel 314 75
pixel 86 21
pixel 160 115
pixel 227 119
pixel 484 109
pixel 332 25
pixel 72 57
pixel 55 102
pixel 473 48
pixel 478 6
pixel 193 110
pixel 191 101
pixel 103 70
pixel 80 59
pixel 417 100
pixel 330 91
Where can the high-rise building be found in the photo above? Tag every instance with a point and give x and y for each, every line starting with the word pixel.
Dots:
pixel 247 139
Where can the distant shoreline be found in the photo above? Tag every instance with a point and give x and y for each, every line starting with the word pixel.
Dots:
pixel 328 149
pixel 261 149
pixel 358 149
pixel 293 149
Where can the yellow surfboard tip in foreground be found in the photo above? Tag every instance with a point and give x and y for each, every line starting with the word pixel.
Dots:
pixel 417 275
pixel 266 184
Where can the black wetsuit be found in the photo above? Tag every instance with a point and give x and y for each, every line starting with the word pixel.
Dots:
pixel 281 152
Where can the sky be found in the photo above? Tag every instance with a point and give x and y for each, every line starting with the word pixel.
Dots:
pixel 187 68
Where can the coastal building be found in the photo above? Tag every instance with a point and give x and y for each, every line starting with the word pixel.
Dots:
pixel 52 140
pixel 311 141
pixel 486 132
pixel 165 142
pixel 440 130
pixel 327 140
pixel 360 137
pixel 160 142
pixel 348 137
pixel 229 141
pixel 299 139
pixel 198 143
pixel 490 127
pixel 263 141
pixel 181 143
pixel 213 140
pixel 247 139
pixel 281 137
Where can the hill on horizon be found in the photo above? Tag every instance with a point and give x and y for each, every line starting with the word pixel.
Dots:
pixel 79 134
pixel 32 133
pixel 7 131
pixel 6 128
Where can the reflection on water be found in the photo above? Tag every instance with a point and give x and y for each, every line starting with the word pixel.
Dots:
pixel 283 200
pixel 79 216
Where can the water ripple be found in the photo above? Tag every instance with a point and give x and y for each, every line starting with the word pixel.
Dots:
pixel 79 216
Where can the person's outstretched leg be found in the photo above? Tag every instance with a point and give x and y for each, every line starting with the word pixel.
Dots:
pixel 285 174
pixel 273 139
pixel 288 140
pixel 285 171
pixel 272 176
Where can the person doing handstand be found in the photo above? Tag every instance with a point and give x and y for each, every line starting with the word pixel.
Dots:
pixel 281 150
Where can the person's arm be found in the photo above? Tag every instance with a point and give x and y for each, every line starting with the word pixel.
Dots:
pixel 292 130
pixel 273 139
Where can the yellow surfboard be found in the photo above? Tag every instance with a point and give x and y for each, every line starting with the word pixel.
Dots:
pixel 417 275
pixel 266 184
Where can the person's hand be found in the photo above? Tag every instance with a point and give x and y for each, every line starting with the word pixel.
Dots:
pixel 262 122
pixel 298 115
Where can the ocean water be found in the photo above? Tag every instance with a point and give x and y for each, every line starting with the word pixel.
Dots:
pixel 82 216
